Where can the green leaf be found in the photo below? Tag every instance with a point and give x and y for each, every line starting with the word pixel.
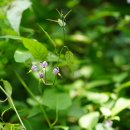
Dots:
pixel 37 49
pixel 7 126
pixel 1 125
pixel 8 87
pixel 70 59
pixel 120 105
pixel 28 125
pixel 69 56
pixel 21 56
pixel 122 86
pixel 56 100
pixel 97 83
pixel 34 111
pixel 8 90
pixel 105 111
pixel 97 97
pixel 61 127
pixel 52 57
pixel 14 13
pixel 89 121
pixel 101 126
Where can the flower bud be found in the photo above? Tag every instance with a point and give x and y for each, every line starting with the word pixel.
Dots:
pixel 41 75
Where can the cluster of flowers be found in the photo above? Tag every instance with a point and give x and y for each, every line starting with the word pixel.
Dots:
pixel 43 66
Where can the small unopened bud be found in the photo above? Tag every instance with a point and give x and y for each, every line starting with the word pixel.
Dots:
pixel 41 75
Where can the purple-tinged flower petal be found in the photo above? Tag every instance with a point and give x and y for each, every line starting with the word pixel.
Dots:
pixel 34 68
pixel 43 64
pixel 41 75
pixel 56 71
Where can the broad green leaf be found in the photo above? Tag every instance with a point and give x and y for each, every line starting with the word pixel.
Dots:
pixel 56 100
pixel 122 86
pixel 34 111
pixel 8 90
pixel 61 127
pixel 117 118
pixel 97 97
pixel 14 13
pixel 1 125
pixel 120 77
pixel 52 57
pixel 120 105
pixel 97 83
pixel 80 38
pixel 85 71
pixel 28 125
pixel 7 126
pixel 89 121
pixel 8 87
pixel 33 102
pixel 105 111
pixel 21 56
pixel 119 60
pixel 101 126
pixel 37 49
pixel 70 59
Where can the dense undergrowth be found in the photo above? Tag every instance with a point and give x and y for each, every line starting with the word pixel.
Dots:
pixel 64 65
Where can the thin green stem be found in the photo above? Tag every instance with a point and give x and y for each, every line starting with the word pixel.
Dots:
pixel 39 87
pixel 56 119
pixel 45 74
pixel 54 81
pixel 61 53
pixel 59 61
pixel 4 100
pixel 63 28
pixel 48 36
pixel 11 101
pixel 67 14
pixel 33 96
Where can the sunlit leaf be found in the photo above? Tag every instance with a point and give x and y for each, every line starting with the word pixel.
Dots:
pixel 105 111
pixel 8 87
pixel 61 127
pixel 89 121
pixel 37 49
pixel 21 56
pixel 123 86
pixel 97 83
pixel 97 97
pixel 1 125
pixel 71 61
pixel 14 13
pixel 120 105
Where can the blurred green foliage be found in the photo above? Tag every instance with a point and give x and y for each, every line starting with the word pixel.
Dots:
pixel 93 57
